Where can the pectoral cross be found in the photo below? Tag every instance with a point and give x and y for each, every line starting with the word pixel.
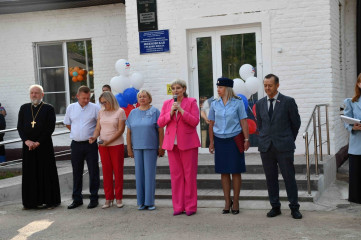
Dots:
pixel 33 123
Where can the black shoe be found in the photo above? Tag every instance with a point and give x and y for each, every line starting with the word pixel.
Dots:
pixel 274 212
pixel 226 211
pixel 75 204
pixel 93 204
pixel 234 212
pixel 296 214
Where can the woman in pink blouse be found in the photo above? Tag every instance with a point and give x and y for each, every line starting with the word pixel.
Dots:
pixel 110 128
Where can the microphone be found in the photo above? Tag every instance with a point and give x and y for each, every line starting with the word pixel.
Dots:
pixel 175 97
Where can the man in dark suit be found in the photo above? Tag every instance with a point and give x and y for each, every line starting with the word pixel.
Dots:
pixel 278 122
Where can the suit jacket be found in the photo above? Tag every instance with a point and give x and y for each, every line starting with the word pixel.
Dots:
pixel 282 129
pixel 184 126
pixel 2 125
pixel 353 109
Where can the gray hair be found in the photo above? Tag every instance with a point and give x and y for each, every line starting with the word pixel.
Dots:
pixel 36 86
pixel 181 83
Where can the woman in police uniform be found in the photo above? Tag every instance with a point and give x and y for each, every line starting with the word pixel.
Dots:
pixel 227 117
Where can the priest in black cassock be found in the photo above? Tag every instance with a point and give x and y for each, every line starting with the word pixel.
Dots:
pixel 36 123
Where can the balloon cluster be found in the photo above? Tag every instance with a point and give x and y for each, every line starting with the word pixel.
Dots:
pixel 248 84
pixel 245 87
pixel 126 85
pixel 78 74
pixel 252 126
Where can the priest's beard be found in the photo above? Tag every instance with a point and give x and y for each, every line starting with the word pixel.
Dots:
pixel 36 101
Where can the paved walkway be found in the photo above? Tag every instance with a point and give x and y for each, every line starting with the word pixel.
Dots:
pixel 331 217
pixel 208 223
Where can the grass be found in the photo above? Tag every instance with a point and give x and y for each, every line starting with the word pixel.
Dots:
pixel 4 175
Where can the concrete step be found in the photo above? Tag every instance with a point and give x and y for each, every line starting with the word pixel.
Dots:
pixel 209 169
pixel 206 164
pixel 215 194
pixel 212 181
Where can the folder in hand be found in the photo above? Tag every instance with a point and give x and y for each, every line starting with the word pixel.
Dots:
pixel 349 120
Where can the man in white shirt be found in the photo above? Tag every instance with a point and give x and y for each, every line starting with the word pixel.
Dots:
pixel 81 119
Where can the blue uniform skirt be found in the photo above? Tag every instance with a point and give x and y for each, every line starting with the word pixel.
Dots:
pixel 227 158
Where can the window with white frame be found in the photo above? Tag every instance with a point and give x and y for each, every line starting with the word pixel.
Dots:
pixel 62 67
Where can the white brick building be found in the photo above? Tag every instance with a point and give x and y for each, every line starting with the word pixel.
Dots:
pixel 310 45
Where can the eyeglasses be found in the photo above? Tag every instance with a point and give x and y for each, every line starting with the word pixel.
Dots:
pixel 103 103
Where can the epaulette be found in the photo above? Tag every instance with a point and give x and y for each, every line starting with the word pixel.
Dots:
pixel 239 98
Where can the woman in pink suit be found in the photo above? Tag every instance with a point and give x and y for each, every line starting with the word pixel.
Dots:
pixel 181 141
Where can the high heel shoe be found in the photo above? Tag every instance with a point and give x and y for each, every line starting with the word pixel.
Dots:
pixel 119 203
pixel 226 211
pixel 234 212
pixel 107 204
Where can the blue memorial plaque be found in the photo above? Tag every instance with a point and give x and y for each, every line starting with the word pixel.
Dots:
pixel 154 41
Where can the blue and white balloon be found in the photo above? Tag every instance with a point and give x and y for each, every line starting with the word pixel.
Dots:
pixel 246 71
pixel 122 66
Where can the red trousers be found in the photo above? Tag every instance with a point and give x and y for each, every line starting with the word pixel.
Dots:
pixel 183 167
pixel 112 158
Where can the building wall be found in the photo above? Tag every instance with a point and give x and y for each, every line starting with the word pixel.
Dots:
pixel 104 25
pixel 308 65
pixel 344 69
pixel 338 69
pixel 350 46
pixel 300 43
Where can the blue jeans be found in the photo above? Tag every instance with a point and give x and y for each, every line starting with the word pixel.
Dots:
pixel 145 170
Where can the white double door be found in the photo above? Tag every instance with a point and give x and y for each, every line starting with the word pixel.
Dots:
pixel 221 52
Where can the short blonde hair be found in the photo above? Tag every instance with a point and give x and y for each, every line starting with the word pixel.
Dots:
pixel 146 92
pixel 181 83
pixel 110 98
pixel 36 86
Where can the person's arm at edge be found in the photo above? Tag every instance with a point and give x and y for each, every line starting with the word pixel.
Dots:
pixel 96 132
pixel 129 143
pixel 245 130
pixel 294 117
pixel 161 138
pixel 191 117
pixel 165 115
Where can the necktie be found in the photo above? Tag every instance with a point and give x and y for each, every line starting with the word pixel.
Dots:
pixel 270 110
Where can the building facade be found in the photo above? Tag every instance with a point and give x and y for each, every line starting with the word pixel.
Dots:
pixel 310 45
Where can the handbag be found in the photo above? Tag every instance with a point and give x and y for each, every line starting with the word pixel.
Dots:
pixel 239 140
